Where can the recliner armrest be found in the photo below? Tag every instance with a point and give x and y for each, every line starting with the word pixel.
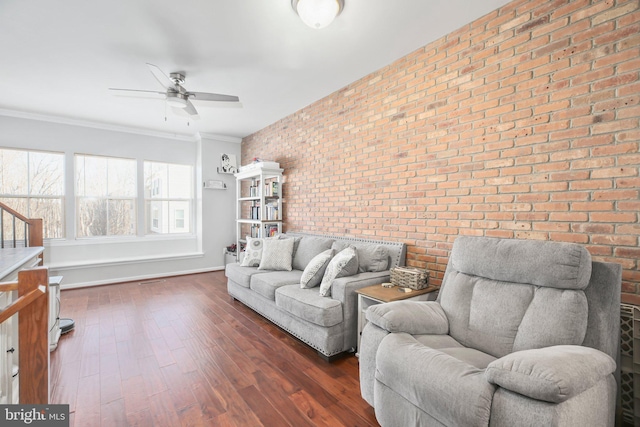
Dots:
pixel 553 374
pixel 412 317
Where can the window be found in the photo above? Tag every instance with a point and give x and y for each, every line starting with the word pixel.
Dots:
pixel 168 193
pixel 179 219
pixel 106 196
pixel 32 183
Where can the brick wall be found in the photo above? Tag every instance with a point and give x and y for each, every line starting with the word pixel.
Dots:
pixel 523 124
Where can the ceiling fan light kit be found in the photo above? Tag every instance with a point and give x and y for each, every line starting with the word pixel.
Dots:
pixel 317 13
pixel 176 99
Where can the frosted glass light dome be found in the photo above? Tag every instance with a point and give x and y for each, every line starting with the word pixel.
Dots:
pixel 317 13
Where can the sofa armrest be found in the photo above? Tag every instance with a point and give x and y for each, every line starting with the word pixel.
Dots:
pixel 412 317
pixel 553 374
pixel 344 288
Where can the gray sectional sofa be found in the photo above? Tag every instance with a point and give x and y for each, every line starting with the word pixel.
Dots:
pixel 326 323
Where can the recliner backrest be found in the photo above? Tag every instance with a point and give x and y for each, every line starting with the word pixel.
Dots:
pixel 504 295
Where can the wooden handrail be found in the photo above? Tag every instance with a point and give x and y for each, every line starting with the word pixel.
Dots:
pixel 14 213
pixel 8 287
pixel 36 235
pixel 21 303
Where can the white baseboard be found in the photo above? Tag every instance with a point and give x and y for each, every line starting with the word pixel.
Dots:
pixel 138 278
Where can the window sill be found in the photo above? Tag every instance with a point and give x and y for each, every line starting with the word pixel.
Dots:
pixel 122 261
pixel 108 240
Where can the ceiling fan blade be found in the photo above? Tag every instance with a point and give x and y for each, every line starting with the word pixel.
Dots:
pixel 135 93
pixel 161 77
pixel 204 96
pixel 191 110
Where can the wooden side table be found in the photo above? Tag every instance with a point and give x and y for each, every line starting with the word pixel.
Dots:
pixel 377 294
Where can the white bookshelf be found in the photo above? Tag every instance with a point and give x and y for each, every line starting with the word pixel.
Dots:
pixel 258 211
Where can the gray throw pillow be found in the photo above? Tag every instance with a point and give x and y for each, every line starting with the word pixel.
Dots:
pixel 314 271
pixel 345 263
pixel 276 255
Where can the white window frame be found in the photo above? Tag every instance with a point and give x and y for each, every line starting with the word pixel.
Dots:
pixel 154 191
pixel 107 199
pixel 28 196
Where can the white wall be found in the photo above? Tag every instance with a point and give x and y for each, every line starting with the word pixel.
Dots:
pixel 96 261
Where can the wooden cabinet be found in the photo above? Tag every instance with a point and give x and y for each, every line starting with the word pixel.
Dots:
pixel 259 203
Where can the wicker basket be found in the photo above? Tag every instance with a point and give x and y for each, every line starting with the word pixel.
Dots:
pixel 409 277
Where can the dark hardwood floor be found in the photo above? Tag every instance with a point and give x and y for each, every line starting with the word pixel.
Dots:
pixel 179 352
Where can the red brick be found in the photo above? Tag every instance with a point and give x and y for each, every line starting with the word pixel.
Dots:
pixel 614 240
pixel 615 217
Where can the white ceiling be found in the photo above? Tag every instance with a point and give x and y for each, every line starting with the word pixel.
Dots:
pixel 57 58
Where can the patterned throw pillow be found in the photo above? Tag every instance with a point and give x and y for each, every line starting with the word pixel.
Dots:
pixel 314 271
pixel 253 251
pixel 345 263
pixel 277 254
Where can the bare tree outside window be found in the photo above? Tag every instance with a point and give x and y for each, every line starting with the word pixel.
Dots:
pixel 106 196
pixel 32 183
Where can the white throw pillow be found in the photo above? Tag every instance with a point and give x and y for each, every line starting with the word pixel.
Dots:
pixel 314 271
pixel 277 254
pixel 253 251
pixel 345 263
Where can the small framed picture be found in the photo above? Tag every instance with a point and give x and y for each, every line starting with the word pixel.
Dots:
pixel 228 163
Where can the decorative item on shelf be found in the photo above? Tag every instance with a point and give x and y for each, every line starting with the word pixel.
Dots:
pixel 232 248
pixel 228 164
pixel 409 277
pixel 214 185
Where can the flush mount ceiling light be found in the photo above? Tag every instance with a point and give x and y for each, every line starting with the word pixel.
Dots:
pixel 317 13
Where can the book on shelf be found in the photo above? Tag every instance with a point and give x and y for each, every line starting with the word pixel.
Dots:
pixel 271 230
pixel 271 211
pixel 271 189
pixel 255 212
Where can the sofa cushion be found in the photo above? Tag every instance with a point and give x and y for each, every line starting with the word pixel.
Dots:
pixel 401 359
pixel 239 274
pixel 308 305
pixel 344 264
pixel 372 258
pixel 550 264
pixel 308 248
pixel 314 271
pixel 499 317
pixel 277 254
pixel 266 284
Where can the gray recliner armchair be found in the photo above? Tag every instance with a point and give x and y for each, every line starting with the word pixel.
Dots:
pixel 523 333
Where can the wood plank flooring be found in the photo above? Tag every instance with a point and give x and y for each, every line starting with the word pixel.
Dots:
pixel 180 352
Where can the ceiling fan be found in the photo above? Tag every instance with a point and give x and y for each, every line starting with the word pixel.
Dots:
pixel 177 96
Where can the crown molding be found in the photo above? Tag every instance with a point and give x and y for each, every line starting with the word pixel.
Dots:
pixel 221 138
pixel 97 125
